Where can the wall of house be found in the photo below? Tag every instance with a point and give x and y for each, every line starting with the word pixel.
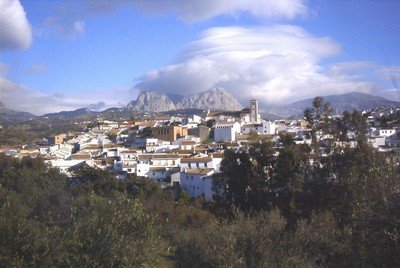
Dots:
pixel 196 165
pixel 142 169
pixel 158 176
pixel 226 132
pixel 193 184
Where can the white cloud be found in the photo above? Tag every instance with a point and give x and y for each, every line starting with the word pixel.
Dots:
pixel 4 68
pixel 276 64
pixel 392 73
pixel 200 10
pixel 36 69
pixel 64 25
pixel 15 30
pixel 79 27
pixel 392 94
pixel 68 19
pixel 22 98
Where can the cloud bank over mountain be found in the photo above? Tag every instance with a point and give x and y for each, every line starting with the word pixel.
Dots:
pixel 275 64
pixel 22 98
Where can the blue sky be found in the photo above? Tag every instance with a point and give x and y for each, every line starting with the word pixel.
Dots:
pixel 63 55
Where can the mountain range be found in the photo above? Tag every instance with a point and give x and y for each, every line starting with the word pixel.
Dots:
pixel 340 103
pixel 9 116
pixel 216 98
pixel 70 114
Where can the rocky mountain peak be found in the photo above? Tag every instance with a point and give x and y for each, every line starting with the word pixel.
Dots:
pixel 215 99
pixel 152 102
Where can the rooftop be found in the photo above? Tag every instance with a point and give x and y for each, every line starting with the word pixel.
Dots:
pixel 196 159
pixel 196 171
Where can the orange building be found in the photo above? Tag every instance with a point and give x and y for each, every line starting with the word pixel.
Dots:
pixel 169 133
pixel 57 139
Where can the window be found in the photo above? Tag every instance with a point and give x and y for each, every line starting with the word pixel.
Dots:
pixel 191 177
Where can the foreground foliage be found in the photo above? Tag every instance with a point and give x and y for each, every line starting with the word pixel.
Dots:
pixel 276 207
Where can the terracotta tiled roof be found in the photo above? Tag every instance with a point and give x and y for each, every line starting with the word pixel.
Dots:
pixel 188 142
pixel 196 160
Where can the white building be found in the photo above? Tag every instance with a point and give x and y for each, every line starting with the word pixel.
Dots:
pixel 249 129
pixel 212 161
pixel 66 166
pixel 267 128
pixel 226 131
pixel 142 169
pixel 377 141
pixel 197 182
pixel 384 132
pixel 187 145
pixel 147 162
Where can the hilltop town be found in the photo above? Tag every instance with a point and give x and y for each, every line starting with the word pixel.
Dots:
pixel 187 150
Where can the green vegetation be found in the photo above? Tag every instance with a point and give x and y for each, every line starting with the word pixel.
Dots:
pixel 20 134
pixel 291 208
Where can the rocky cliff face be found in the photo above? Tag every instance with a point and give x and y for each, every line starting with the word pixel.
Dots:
pixel 152 102
pixel 3 109
pixel 215 99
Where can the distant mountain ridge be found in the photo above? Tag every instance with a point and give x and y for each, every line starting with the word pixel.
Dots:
pixel 215 99
pixel 9 116
pixel 70 114
pixel 340 103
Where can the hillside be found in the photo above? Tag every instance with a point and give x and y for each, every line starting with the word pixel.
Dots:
pixel 70 114
pixel 9 116
pixel 340 103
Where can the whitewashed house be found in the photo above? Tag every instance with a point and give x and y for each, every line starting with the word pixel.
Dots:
pixel 226 131
pixel 197 182
pixel 249 129
pixel 211 161
pixel 267 128
pixel 142 169
pixel 187 145
pixel 384 132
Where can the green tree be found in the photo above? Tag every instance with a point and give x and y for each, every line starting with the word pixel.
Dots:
pixel 318 118
pixel 112 232
pixel 246 175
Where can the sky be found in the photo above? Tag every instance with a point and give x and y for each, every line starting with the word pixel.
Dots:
pixel 62 55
